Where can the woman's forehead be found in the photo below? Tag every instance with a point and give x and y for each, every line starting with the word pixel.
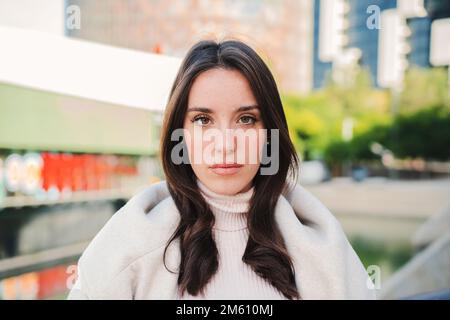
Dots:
pixel 216 89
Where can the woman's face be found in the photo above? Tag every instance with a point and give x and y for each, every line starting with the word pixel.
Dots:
pixel 224 131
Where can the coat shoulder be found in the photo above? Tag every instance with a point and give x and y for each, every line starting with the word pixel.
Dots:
pixel 312 216
pixel 327 265
pixel 143 225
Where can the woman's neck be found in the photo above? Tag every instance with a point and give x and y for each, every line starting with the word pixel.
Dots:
pixel 229 210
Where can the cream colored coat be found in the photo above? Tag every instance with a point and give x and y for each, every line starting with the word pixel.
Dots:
pixel 125 259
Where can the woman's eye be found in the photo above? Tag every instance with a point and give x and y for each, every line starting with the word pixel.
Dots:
pixel 247 120
pixel 201 120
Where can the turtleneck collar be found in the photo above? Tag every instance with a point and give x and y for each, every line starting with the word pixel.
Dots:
pixel 229 210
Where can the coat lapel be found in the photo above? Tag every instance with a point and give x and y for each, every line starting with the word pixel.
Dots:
pixel 325 264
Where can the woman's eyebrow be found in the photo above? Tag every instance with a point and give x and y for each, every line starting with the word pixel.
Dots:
pixel 200 109
pixel 207 110
pixel 247 108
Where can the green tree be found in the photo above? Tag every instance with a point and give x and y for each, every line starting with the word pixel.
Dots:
pixel 424 88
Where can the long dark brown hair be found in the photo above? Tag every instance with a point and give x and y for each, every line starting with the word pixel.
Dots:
pixel 265 252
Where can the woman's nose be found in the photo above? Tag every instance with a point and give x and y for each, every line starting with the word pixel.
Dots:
pixel 226 141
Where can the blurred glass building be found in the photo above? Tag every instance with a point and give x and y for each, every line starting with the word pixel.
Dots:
pixel 321 69
pixel 420 28
pixel 361 34
pixel 384 36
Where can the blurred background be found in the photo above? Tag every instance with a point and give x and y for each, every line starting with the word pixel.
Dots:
pixel 365 86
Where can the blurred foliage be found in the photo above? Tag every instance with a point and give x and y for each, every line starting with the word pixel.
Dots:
pixel 376 252
pixel 358 96
pixel 424 134
pixel 424 88
pixel 315 121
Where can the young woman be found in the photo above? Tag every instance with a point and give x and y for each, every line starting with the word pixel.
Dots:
pixel 229 221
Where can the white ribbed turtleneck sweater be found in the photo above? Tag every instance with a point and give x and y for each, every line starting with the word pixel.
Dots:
pixel 234 279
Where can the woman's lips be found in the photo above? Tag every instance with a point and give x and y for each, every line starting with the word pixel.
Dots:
pixel 226 169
